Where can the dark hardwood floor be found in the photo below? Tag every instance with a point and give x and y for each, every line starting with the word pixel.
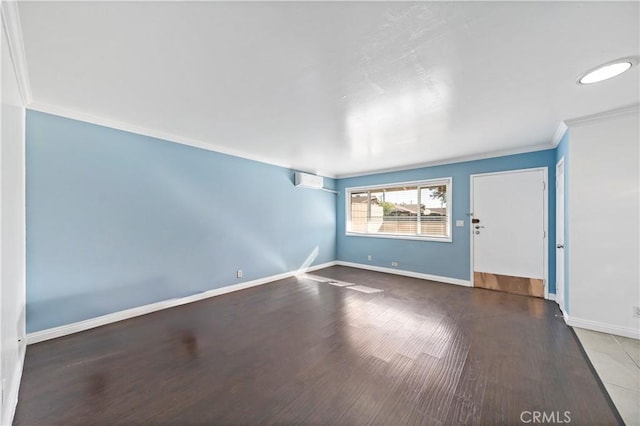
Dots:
pixel 304 352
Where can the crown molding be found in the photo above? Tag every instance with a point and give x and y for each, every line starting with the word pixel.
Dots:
pixel 169 137
pixel 560 131
pixel 127 127
pixel 13 29
pixel 454 160
pixel 604 115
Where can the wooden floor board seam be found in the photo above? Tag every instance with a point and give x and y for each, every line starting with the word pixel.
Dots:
pixel 302 352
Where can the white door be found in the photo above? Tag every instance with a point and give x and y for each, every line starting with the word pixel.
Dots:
pixel 560 233
pixel 509 232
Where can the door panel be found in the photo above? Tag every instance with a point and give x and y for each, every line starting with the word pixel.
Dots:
pixel 509 284
pixel 508 238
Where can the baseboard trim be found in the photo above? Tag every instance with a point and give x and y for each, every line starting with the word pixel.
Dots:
pixel 76 327
pixel 406 273
pixel 565 315
pixel 9 410
pixel 552 297
pixel 602 327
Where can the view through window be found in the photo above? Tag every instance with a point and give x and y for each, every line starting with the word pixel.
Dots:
pixel 419 210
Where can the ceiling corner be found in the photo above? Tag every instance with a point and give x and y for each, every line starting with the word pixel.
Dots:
pixel 13 31
pixel 604 115
pixel 560 131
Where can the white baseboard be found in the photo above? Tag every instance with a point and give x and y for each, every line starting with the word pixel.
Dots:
pixel 76 327
pixel 602 327
pixel 9 410
pixel 552 297
pixel 405 273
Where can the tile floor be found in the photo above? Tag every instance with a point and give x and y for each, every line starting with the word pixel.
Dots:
pixel 617 361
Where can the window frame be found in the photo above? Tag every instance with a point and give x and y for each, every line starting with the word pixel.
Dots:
pixel 448 181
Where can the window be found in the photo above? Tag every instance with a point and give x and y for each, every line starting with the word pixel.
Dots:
pixel 413 210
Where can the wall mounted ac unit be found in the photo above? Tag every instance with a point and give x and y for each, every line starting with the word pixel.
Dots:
pixel 306 180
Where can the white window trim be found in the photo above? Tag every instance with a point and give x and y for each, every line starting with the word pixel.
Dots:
pixel 429 182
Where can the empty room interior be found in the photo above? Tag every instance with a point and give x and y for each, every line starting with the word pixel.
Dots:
pixel 381 213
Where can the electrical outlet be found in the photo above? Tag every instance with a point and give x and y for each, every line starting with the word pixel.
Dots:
pixel 394 263
pixel 239 273
pixel 636 311
pixel 369 257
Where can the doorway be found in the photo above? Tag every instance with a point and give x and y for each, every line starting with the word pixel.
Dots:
pixel 509 231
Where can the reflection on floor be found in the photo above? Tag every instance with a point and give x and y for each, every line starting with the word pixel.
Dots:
pixel 617 361
pixel 338 283
pixel 301 351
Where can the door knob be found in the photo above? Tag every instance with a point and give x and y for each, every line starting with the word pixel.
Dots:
pixel 560 246
pixel 479 226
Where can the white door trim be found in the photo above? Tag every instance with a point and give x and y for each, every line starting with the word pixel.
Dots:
pixel 545 209
pixel 561 303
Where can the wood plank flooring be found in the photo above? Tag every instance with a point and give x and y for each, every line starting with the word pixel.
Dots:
pixel 298 351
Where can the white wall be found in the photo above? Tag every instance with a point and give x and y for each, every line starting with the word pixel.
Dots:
pixel 12 235
pixel 604 225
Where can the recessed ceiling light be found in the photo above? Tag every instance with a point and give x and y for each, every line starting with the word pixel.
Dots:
pixel 607 71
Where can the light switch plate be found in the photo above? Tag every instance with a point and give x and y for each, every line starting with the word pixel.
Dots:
pixel 459 223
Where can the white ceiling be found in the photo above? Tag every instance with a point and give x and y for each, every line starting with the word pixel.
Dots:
pixel 332 87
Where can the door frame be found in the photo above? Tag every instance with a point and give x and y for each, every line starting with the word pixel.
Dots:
pixel 545 208
pixel 555 251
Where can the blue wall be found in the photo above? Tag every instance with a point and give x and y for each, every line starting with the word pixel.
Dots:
pixel 117 220
pixel 444 259
pixel 563 151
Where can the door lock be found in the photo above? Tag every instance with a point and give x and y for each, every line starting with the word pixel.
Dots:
pixel 560 246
